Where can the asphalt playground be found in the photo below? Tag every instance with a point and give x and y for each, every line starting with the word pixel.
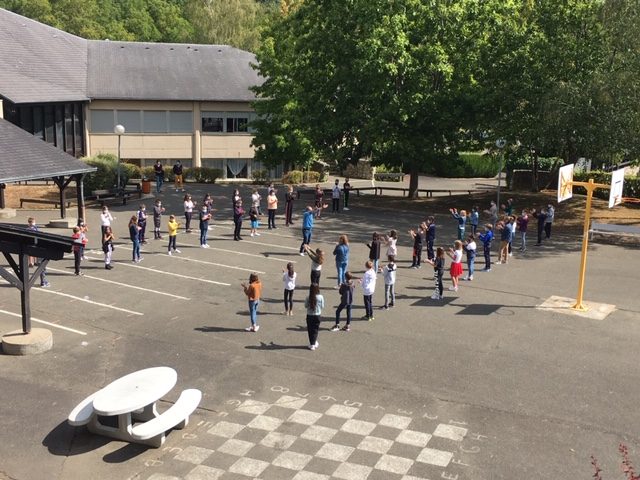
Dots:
pixel 483 385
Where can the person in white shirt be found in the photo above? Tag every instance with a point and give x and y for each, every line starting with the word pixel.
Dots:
pixel 314 304
pixel 470 247
pixel 105 219
pixel 255 201
pixel 389 272
pixel 368 283
pixel 289 279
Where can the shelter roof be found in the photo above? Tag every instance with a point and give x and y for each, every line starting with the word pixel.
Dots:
pixel 25 157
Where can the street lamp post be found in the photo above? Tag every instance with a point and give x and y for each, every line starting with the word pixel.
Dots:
pixel 118 130
pixel 500 143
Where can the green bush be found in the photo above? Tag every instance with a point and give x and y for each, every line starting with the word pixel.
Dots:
pixel 467 165
pixel 513 162
pixel 382 168
pixel 260 177
pixel 106 175
pixel 203 174
pixel 631 184
pixel 133 171
pixel 150 174
pixel 311 177
pixel 292 177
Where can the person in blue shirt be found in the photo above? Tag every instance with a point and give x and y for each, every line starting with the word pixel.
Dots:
pixel 342 257
pixel 486 239
pixel 307 227
pixel 430 228
pixel 505 239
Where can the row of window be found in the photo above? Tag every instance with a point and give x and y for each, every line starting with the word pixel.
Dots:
pixel 170 121
pixel 60 124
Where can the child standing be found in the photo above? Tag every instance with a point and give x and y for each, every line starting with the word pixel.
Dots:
pixel 105 218
pixel 142 223
pixel 462 221
pixel 253 291
pixel 505 238
pixel 523 223
pixel 255 200
pixel 289 279
pixel 134 235
pixel 474 218
pixel 389 272
pixel 238 213
pixel 289 197
pixel 253 217
pixel 431 236
pixel 84 239
pixel 470 247
pixel 392 244
pixel 77 249
pixel 107 247
pixel 346 188
pixel 341 252
pixel 456 264
pixel 368 283
pixel 318 201
pixel 204 218
pixel 314 304
pixel 438 270
pixel 272 207
pixel 417 246
pixel 172 227
pixel 346 301
pixel 512 226
pixel 486 239
pixel 189 204
pixel 335 197
pixel 317 259
pixel 158 210
pixel 374 250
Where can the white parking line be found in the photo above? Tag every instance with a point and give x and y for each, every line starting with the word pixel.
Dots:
pixel 263 257
pixel 186 259
pixel 37 320
pixel 123 284
pixel 155 270
pixel 261 243
pixel 80 299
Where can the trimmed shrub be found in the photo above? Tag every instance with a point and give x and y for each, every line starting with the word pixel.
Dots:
pixel 311 177
pixel 362 169
pixel 106 176
pixel 260 177
pixel 133 171
pixel 292 177
pixel 631 184
pixel 203 174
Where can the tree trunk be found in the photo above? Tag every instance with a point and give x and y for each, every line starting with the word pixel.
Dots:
pixel 535 184
pixel 413 182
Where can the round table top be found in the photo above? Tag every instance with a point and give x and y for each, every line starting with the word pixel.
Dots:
pixel 135 391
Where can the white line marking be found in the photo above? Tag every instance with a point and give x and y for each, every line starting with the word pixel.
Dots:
pixel 218 264
pixel 262 243
pixel 123 284
pixel 130 312
pixel 255 243
pixel 123 263
pixel 33 319
pixel 168 273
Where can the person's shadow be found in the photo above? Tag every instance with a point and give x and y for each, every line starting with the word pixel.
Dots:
pixel 275 346
pixel 212 329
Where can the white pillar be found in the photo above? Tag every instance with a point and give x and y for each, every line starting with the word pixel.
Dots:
pixel 196 152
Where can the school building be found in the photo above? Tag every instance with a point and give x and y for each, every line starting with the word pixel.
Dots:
pixel 175 101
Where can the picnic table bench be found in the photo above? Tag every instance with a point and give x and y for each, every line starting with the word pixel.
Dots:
pixel 611 229
pixel 104 197
pixel 126 408
pixel 48 201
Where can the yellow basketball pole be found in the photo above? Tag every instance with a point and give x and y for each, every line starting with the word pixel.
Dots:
pixel 590 186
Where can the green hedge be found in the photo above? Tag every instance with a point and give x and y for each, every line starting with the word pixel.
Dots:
pixel 468 165
pixel 260 177
pixel 106 177
pixel 631 184
pixel 203 174
pixel 295 177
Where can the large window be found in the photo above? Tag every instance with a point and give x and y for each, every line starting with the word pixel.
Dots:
pixel 142 121
pixel 226 122
pixel 154 121
pixel 130 119
pixel 102 121
pixel 180 122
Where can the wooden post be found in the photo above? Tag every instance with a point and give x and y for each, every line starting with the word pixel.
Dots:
pixel 2 187
pixel 79 178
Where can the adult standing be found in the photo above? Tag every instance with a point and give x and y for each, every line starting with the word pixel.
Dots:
pixel 523 223
pixel 307 228
pixel 253 291
pixel 158 169
pixel 177 175
pixel 235 197
pixel 346 189
pixel 335 197
pixel 314 304
pixel 272 207
pixel 341 253
pixel 430 228
pixel 134 235
pixel 289 197
pixel 238 213
pixel 493 213
pixel 551 213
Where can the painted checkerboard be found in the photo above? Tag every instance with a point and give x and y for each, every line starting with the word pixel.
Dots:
pixel 288 437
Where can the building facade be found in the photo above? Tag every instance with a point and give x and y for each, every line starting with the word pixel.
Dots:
pixel 175 101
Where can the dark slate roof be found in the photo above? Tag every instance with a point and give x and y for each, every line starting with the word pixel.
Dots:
pixel 25 157
pixel 169 71
pixel 39 63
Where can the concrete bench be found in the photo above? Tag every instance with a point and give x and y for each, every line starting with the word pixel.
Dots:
pixel 83 412
pixel 611 229
pixel 177 416
pixel 55 203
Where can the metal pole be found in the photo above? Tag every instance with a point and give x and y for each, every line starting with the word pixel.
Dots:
pixel 118 169
pixel 590 186
pixel 499 182
pixel 25 301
